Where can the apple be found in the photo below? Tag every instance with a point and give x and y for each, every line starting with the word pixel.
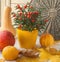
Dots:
pixel 6 39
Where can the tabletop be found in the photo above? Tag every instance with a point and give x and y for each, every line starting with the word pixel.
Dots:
pixel 18 47
pixel 44 54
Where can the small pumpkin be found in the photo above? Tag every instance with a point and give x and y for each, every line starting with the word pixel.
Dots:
pixel 46 40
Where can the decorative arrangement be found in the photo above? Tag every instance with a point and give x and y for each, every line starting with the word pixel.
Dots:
pixel 27 18
pixel 27 22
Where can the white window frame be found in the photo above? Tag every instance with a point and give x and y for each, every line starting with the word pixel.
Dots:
pixel 3 3
pixel 0 12
pixel 0 9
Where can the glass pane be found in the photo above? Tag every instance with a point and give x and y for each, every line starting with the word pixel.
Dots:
pixel 20 1
pixel 15 2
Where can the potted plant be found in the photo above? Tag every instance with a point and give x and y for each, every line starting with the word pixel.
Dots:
pixel 27 24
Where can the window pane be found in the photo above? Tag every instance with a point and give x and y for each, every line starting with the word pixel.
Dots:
pixel 15 2
pixel 20 1
pixel 2 5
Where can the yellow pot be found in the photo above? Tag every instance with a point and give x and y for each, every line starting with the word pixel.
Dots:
pixel 27 39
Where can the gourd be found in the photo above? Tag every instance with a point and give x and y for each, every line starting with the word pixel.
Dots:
pixel 6 23
pixel 46 40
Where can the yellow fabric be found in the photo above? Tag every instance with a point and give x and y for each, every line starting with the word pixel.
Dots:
pixel 43 57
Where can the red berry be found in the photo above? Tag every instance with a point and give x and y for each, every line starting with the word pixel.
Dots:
pixel 20 18
pixel 46 20
pixel 31 7
pixel 14 15
pixel 36 12
pixel 25 6
pixel 20 13
pixel 20 26
pixel 18 6
pixel 33 20
pixel 31 13
pixel 28 13
pixel 28 16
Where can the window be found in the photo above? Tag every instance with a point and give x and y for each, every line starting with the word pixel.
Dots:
pixel 4 3
pixel 21 2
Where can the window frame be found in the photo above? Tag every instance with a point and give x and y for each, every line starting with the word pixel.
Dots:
pixel 0 12
pixel 4 3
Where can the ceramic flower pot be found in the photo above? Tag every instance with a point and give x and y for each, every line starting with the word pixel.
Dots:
pixel 27 39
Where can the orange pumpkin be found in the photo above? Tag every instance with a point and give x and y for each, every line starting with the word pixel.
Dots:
pixel 46 40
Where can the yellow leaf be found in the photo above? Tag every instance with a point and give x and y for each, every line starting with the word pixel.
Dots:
pixel 44 56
